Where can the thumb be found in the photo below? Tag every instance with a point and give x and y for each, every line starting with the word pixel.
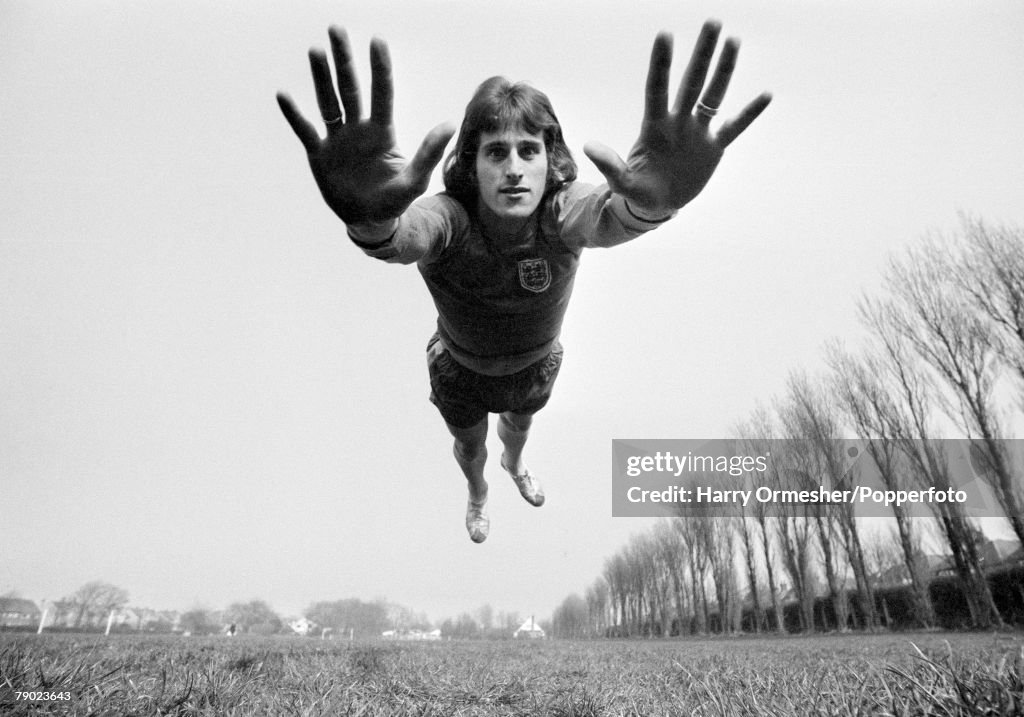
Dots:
pixel 608 162
pixel 429 154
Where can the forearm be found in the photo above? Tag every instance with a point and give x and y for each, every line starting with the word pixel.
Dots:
pixel 648 216
pixel 598 217
pixel 376 239
pixel 419 233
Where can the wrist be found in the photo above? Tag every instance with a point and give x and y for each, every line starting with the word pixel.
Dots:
pixel 371 234
pixel 645 214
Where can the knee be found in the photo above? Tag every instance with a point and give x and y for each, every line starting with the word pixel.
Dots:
pixel 516 423
pixel 469 449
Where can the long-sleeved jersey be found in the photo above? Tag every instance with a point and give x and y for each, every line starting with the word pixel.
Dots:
pixel 501 302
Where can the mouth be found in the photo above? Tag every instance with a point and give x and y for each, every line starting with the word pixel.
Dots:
pixel 514 190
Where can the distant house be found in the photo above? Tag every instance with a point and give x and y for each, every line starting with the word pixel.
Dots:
pixel 992 554
pixel 129 617
pixel 18 612
pixel 146 620
pixel 529 629
pixel 1001 553
pixel 413 634
pixel 303 626
pixel 898 574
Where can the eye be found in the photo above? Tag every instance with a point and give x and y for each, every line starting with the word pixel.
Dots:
pixel 530 151
pixel 496 152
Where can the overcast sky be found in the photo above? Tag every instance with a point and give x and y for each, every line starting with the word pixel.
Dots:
pixel 208 395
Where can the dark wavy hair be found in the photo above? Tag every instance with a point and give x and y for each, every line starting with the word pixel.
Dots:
pixel 496 105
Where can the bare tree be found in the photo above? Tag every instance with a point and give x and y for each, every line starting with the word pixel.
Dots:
pixel 658 573
pixel 992 276
pixel 598 606
pixel 253 616
pixel 485 615
pixel 757 435
pixel 871 409
pixel 569 620
pixel 959 345
pixel 806 470
pixel 93 601
pixel 818 418
pixel 638 583
pixel 616 574
pixel 198 621
pixel 794 531
pixel 670 554
pixel 352 616
pixel 692 530
pixel 719 534
pixel 509 622
pixel 916 396
pixel 746 529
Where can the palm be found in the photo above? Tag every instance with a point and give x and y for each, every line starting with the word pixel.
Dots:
pixel 677 153
pixel 653 177
pixel 361 173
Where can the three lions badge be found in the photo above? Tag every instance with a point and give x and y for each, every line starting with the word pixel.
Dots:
pixel 534 274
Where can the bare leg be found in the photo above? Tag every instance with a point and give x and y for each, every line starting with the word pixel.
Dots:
pixel 513 430
pixel 470 451
pixel 471 454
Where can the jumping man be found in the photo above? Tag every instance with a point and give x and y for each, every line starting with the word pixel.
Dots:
pixel 498 249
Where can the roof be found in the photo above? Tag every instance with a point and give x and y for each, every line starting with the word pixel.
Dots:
pixel 18 605
pixel 530 626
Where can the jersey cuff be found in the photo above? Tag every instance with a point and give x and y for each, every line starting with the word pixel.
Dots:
pixel 372 235
pixel 646 220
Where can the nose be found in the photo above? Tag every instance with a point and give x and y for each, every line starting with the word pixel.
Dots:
pixel 514 166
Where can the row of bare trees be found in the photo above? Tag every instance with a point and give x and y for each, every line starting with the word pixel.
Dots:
pixel 943 358
pixel 89 606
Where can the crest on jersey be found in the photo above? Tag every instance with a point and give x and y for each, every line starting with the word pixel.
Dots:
pixel 534 274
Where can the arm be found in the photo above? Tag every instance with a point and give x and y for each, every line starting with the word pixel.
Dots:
pixel 419 235
pixel 589 216
pixel 677 152
pixel 360 172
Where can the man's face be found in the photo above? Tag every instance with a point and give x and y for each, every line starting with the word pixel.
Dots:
pixel 511 172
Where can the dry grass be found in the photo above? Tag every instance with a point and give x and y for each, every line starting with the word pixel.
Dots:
pixel 922 674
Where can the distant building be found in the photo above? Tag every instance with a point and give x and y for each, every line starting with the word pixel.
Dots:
pixel 303 626
pixel 529 629
pixel 1001 553
pixel 146 620
pixel 18 612
pixel 411 635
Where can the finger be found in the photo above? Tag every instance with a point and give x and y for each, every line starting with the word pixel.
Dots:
pixel 656 94
pixel 348 85
pixel 732 129
pixel 697 68
pixel 715 93
pixel 429 154
pixel 300 126
pixel 608 163
pixel 382 90
pixel 325 97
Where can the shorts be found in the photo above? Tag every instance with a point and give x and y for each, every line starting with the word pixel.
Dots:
pixel 465 397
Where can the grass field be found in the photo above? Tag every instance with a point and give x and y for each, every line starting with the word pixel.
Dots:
pixel 905 674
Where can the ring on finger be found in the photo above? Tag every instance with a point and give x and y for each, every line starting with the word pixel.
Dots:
pixel 705 110
pixel 335 120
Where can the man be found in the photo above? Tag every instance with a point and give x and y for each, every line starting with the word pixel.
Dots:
pixel 499 248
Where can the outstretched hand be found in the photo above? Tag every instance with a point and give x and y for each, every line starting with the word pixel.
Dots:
pixel 677 152
pixel 360 172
